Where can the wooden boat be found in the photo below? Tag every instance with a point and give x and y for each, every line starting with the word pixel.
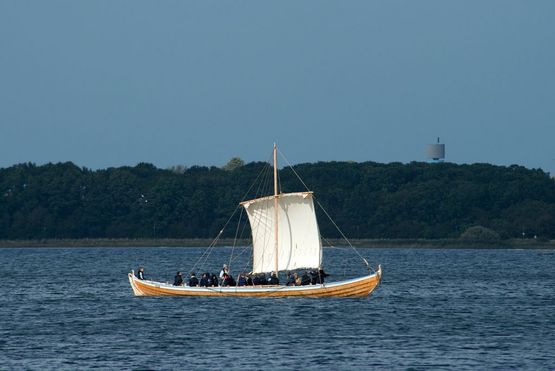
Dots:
pixel 285 237
pixel 356 287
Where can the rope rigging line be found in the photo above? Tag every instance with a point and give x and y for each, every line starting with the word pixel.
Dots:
pixel 279 183
pixel 237 256
pixel 266 167
pixel 249 260
pixel 265 189
pixel 208 250
pixel 261 190
pixel 235 240
pixel 210 247
pixel 326 213
pixel 240 236
pixel 343 235
pixel 262 184
pixel 291 167
pixel 248 247
pixel 201 262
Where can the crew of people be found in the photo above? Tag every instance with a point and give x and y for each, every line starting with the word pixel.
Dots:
pixel 225 279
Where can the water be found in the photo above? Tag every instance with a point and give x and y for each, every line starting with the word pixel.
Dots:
pixel 465 309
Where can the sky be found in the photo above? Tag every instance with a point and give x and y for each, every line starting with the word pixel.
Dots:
pixel 109 83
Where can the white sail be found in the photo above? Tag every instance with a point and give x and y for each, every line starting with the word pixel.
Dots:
pixel 299 244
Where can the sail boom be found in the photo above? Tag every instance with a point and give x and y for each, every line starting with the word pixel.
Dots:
pixel 247 203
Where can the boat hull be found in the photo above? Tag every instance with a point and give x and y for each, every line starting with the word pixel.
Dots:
pixel 356 287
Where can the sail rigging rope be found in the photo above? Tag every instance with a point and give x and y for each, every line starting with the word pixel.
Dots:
pixel 264 232
pixel 235 240
pixel 325 212
pixel 210 247
pixel 248 247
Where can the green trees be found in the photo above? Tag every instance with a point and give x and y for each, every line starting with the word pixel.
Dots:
pixel 233 164
pixel 368 200
pixel 479 233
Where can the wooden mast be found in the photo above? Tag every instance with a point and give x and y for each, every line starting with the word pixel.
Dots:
pixel 276 229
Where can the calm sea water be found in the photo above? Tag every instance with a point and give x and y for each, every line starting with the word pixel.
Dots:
pixel 465 309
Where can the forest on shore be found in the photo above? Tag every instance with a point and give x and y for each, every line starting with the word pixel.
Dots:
pixel 367 200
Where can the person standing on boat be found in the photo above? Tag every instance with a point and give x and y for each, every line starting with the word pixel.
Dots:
pixel 141 273
pixel 178 280
pixel 223 271
pixel 193 281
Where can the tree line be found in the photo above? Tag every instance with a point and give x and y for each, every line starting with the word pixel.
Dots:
pixel 367 200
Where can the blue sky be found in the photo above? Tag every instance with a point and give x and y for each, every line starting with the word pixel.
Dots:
pixel 109 83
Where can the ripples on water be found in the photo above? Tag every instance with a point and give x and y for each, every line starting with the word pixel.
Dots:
pixel 73 308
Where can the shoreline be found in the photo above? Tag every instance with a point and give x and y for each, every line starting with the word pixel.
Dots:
pixel 203 242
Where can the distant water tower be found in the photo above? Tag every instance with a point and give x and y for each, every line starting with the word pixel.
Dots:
pixel 435 152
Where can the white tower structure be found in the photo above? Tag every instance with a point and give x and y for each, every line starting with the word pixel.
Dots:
pixel 435 152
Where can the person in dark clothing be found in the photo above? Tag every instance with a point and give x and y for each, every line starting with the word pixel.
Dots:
pixel 320 275
pixel 249 280
pixel 291 279
pixel 313 277
pixel 193 281
pixel 256 280
pixel 178 280
pixel 305 279
pixel 204 280
pixel 228 280
pixel 273 280
pixel 141 273
pixel 262 278
pixel 242 280
pixel 214 280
